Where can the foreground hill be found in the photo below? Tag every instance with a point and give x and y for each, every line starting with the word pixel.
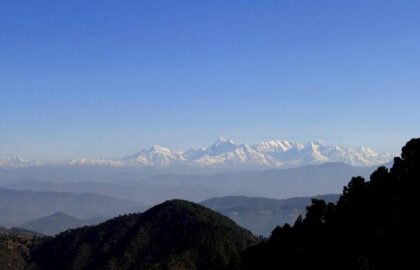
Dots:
pixel 174 235
pixel 18 207
pixel 15 245
pixel 262 215
pixel 58 222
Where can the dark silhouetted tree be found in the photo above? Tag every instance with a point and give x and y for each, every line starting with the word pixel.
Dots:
pixel 374 225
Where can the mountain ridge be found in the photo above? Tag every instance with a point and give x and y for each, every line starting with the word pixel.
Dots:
pixel 228 154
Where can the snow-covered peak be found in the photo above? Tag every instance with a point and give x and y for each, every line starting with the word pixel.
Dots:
pixel 156 156
pixel 17 162
pixel 273 146
pixel 315 151
pixel 228 154
pixel 221 146
pixel 269 154
pixel 160 149
pixel 368 151
pixel 223 141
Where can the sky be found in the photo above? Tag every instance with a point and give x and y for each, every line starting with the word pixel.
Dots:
pixel 107 78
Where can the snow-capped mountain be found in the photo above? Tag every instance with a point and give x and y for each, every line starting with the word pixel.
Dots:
pixel 240 156
pixel 221 146
pixel 17 162
pixel 277 146
pixel 229 154
pixel 157 156
pixel 271 154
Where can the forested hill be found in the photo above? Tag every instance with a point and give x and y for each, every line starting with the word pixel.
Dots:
pixel 372 226
pixel 15 246
pixel 174 235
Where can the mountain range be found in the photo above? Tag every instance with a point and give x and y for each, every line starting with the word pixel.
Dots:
pixel 229 154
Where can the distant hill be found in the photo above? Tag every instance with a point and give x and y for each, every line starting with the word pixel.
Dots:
pixel 173 235
pixel 58 222
pixel 128 183
pixel 18 207
pixel 262 215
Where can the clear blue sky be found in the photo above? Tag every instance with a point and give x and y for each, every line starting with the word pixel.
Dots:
pixel 105 78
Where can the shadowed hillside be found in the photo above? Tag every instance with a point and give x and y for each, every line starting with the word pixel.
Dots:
pixel 15 246
pixel 372 226
pixel 174 235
